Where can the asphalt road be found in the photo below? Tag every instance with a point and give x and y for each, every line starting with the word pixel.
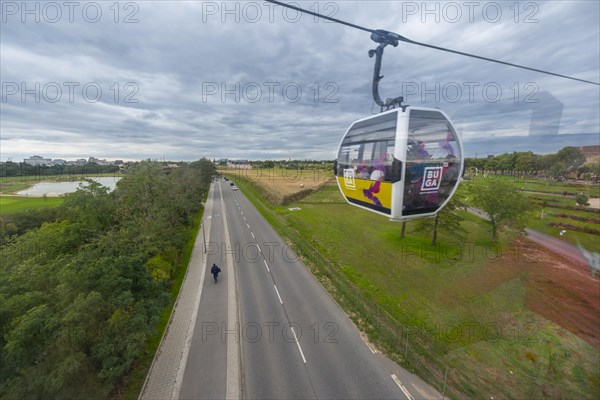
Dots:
pixel 290 339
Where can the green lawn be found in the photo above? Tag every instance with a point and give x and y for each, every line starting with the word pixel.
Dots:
pixel 541 221
pixel 543 185
pixel 437 308
pixel 15 204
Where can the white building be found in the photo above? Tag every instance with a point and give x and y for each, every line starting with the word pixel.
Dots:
pixel 37 160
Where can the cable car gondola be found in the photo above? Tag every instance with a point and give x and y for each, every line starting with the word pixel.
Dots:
pixel 404 163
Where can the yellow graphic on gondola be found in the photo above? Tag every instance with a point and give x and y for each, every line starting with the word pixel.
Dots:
pixel 377 194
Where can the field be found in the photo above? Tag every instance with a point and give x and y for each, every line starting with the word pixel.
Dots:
pixel 282 186
pixel 504 320
pixel 15 204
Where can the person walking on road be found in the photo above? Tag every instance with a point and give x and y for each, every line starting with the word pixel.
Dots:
pixel 215 271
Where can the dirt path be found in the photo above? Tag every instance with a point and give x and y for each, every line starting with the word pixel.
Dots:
pixel 594 203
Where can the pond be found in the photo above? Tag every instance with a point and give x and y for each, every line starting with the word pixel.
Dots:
pixel 53 189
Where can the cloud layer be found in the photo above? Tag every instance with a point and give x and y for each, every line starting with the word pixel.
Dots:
pixel 183 80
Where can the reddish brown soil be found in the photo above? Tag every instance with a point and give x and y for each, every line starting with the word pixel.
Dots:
pixel 564 292
pixel 558 288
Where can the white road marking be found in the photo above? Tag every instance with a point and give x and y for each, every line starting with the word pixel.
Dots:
pixel 266 265
pixel 259 249
pixel 244 218
pixel 401 386
pixel 368 345
pixel 232 388
pixel 252 233
pixel 248 226
pixel 277 291
pixel 298 344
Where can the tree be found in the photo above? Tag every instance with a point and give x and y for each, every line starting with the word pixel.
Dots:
pixel 571 157
pixel 83 287
pixel 446 220
pixel 503 203
pixel 582 199
pixel 526 163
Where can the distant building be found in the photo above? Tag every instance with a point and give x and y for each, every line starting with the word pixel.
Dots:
pixel 94 160
pixel 238 166
pixel 58 161
pixel 589 152
pixel 37 160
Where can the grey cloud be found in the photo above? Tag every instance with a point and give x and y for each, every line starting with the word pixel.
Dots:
pixel 174 51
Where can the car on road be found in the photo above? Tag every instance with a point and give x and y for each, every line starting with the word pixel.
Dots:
pixel 234 187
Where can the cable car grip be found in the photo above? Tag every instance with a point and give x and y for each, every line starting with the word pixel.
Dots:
pixel 383 38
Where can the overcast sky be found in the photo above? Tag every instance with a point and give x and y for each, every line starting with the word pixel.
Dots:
pixel 187 79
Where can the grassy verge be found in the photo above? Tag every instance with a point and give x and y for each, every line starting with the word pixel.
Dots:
pixel 462 308
pixel 134 382
pixel 12 205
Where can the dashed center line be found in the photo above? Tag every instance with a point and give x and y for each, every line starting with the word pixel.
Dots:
pixel 274 286
pixel 298 344
pixel 277 291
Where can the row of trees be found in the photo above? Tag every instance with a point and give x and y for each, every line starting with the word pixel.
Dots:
pixel 79 296
pixel 567 161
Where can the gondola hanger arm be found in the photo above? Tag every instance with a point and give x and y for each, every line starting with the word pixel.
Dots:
pixel 384 38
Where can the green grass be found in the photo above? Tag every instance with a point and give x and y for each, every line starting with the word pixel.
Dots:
pixel 405 291
pixel 535 219
pixel 14 204
pixel 543 185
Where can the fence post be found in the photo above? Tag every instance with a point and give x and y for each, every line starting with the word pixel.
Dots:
pixel 445 380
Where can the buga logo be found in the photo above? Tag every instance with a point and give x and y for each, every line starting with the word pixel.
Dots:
pixel 349 179
pixel 432 177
